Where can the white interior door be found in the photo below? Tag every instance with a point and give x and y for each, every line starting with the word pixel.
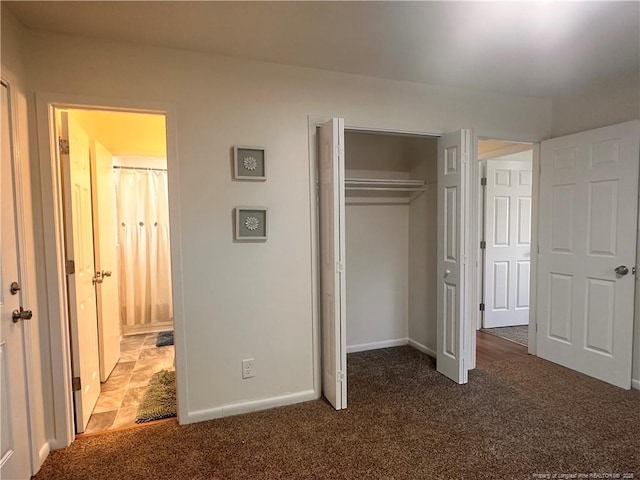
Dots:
pixel 587 228
pixel 106 258
pixel 332 260
pixel 14 427
pixel 508 243
pixel 79 249
pixel 453 168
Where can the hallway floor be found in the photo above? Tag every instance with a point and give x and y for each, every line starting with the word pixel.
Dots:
pixel 125 387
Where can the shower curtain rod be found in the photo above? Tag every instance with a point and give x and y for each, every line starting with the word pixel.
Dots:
pixel 140 168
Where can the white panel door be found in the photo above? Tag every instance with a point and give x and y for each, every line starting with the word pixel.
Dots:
pixel 508 248
pixel 453 168
pixel 587 228
pixel 83 318
pixel 14 427
pixel 332 261
pixel 106 258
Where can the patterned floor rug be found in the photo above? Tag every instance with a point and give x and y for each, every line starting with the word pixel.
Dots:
pixel 519 335
pixel 159 400
pixel 164 338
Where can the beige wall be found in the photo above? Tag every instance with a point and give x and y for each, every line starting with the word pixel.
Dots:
pixel 254 300
pixel 377 262
pixel 597 105
pixel 423 222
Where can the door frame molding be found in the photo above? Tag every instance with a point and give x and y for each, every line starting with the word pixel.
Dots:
pixel 477 233
pixel 22 199
pixel 499 159
pixel 53 236
pixel 313 122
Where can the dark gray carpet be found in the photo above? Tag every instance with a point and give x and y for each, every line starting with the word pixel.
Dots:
pixel 519 335
pixel 514 418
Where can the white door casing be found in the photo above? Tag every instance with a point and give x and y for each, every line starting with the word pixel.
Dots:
pixel 83 321
pixel 453 165
pixel 508 243
pixel 332 261
pixel 587 228
pixel 14 432
pixel 106 258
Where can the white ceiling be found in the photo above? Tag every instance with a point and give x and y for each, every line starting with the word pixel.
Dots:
pixel 527 48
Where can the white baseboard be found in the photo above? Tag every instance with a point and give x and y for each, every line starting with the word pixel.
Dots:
pixel 375 345
pixel 423 348
pixel 55 444
pixel 635 384
pixel 43 453
pixel 250 406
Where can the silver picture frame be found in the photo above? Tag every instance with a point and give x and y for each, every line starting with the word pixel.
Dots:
pixel 249 163
pixel 251 224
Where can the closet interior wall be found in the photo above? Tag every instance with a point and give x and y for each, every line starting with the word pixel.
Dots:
pixel 390 240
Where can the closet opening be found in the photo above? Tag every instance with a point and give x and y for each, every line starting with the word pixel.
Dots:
pixel 378 222
pixel 114 183
pixel 505 218
pixel 390 231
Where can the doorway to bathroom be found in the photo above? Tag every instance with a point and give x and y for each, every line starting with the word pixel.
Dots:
pixel 114 181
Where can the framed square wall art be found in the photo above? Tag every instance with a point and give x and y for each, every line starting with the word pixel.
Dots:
pixel 249 163
pixel 251 224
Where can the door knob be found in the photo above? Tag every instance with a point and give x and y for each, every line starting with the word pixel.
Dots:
pixel 97 278
pixel 622 270
pixel 446 273
pixel 14 288
pixel 21 315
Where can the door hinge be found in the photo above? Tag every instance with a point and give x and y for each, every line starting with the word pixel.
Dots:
pixel 483 244
pixel 63 144
pixel 482 307
pixel 70 267
pixel 483 181
pixel 341 376
pixel 75 384
pixel 339 267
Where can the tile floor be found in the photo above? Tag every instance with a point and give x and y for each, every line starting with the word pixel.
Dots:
pixel 123 390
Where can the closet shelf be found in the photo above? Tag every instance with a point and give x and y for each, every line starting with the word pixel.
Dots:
pixel 401 191
pixel 384 184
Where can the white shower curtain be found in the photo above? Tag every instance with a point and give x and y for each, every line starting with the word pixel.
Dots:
pixel 144 259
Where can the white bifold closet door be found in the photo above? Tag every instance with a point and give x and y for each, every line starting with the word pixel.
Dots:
pixel 587 237
pixel 332 262
pixel 453 172
pixel 508 243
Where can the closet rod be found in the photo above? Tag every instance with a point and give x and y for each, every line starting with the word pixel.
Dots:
pixel 388 189
pixel 140 168
pixel 383 181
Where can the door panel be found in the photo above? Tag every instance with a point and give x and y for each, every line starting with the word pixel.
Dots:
pixel 106 259
pixel 587 228
pixel 453 157
pixel 79 248
pixel 14 436
pixel 508 241
pixel 332 248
